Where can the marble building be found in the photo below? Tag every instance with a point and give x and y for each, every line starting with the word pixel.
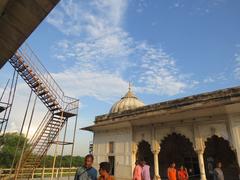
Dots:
pixel 195 131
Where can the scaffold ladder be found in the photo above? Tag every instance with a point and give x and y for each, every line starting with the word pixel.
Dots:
pixel 60 107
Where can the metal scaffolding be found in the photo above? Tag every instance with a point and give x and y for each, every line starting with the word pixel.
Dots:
pixel 6 103
pixel 60 109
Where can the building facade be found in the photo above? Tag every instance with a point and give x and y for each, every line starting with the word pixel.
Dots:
pixel 196 131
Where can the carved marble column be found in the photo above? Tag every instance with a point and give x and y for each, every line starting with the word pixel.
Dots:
pixel 201 164
pixel 155 151
pixel 233 126
pixel 134 154
pixel 199 148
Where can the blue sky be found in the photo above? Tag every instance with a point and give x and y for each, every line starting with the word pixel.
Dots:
pixel 167 49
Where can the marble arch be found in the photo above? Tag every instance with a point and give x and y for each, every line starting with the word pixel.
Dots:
pixel 179 149
pixel 218 149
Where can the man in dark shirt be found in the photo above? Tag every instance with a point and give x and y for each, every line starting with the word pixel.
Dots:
pixel 86 172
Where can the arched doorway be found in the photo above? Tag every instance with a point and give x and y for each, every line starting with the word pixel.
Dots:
pixel 177 148
pixel 144 153
pixel 218 150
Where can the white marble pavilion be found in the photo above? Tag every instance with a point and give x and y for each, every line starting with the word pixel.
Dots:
pixel 196 131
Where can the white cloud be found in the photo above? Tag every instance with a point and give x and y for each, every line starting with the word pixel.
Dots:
pixel 94 19
pixel 101 85
pixel 217 77
pixel 85 52
pixel 209 80
pixel 106 56
pixel 201 7
pixel 60 18
pixel 237 66
pixel 112 10
pixel 151 69
pixel 141 5
pixel 157 71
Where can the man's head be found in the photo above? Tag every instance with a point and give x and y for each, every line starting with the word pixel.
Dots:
pixel 143 163
pixel 104 168
pixel 88 161
pixel 190 170
pixel 219 165
pixel 173 165
pixel 137 162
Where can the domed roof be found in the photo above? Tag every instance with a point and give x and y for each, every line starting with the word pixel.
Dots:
pixel 127 102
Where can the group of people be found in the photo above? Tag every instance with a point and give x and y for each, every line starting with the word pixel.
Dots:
pixel 174 174
pixel 87 172
pixel 182 173
pixel 141 171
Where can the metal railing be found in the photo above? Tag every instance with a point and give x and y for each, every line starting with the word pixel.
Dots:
pixel 43 172
pixel 4 104
pixel 72 107
pixel 41 126
pixel 42 73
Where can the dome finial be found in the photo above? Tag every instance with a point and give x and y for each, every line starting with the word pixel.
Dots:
pixel 129 86
pixel 127 102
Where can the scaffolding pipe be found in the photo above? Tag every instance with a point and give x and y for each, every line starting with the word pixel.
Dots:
pixel 25 142
pixel 55 153
pixel 9 96
pixel 74 135
pixel 21 130
pixel 64 139
pixel 4 89
pixel 11 104
pixel 54 159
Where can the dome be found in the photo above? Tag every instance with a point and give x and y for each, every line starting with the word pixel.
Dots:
pixel 127 102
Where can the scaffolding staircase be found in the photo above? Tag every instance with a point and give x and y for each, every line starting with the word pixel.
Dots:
pixel 60 108
pixel 3 118
pixel 6 106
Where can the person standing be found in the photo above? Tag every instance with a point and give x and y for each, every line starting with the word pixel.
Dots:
pixel 182 173
pixel 104 171
pixel 190 174
pixel 86 172
pixel 137 172
pixel 145 171
pixel 172 172
pixel 218 173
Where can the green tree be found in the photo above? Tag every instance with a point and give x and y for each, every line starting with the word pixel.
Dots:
pixel 76 161
pixel 9 145
pixel 7 150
